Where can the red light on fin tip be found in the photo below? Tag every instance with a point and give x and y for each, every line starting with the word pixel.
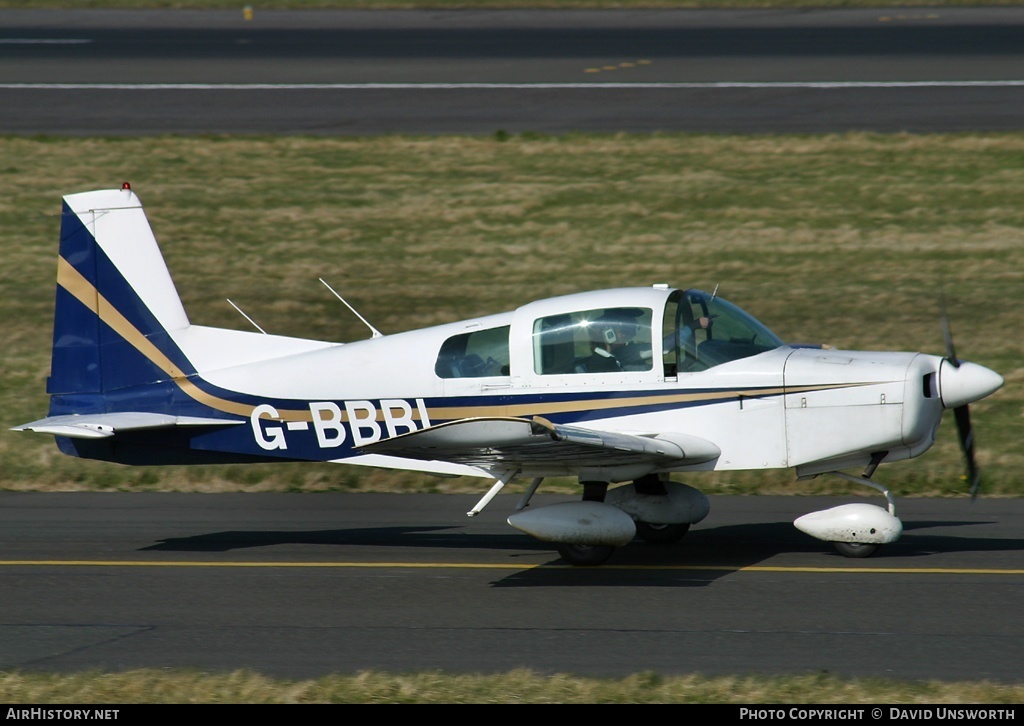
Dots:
pixel 126 187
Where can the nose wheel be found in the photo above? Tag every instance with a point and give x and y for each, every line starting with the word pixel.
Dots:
pixel 855 549
pixel 855 530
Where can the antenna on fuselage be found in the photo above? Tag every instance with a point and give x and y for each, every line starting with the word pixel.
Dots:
pixel 714 293
pixel 242 313
pixel 376 333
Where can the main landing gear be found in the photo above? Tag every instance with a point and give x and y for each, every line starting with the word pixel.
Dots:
pixel 659 533
pixel 587 555
pixel 586 532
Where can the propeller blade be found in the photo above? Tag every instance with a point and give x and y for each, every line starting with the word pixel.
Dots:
pixel 966 433
pixel 962 413
pixel 948 335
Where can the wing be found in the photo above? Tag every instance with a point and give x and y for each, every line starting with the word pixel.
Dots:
pixel 537 444
pixel 104 425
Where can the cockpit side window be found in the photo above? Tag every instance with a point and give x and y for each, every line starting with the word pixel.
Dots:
pixel 480 354
pixel 603 340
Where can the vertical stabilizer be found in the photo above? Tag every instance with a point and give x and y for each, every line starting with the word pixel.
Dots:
pixel 115 301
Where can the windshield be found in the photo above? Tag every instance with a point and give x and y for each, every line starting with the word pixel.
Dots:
pixel 711 331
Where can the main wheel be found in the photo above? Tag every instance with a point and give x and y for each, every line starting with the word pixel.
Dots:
pixel 584 555
pixel 661 533
pixel 855 549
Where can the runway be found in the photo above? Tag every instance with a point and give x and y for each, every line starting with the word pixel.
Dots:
pixel 305 585
pixel 478 72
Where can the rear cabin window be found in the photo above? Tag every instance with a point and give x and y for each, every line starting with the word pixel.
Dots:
pixel 480 354
pixel 605 340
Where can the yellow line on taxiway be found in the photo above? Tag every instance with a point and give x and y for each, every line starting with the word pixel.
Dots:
pixel 495 566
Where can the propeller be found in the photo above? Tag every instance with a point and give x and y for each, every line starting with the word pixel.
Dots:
pixel 966 433
pixel 962 414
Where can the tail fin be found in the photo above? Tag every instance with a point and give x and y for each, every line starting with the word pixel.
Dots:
pixel 119 323
pixel 115 302
pixel 127 363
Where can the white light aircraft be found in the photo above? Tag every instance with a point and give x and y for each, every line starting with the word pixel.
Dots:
pixel 620 388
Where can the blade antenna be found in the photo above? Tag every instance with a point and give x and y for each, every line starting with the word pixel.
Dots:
pixel 376 333
pixel 242 313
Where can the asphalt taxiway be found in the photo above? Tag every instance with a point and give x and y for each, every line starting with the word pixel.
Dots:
pixel 477 72
pixel 301 585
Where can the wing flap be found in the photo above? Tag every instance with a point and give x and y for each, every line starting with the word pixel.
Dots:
pixel 104 425
pixel 525 443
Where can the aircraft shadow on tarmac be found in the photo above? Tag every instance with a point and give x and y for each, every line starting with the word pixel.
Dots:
pixel 407 536
pixel 701 558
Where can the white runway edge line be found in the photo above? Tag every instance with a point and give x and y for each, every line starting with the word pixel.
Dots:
pixel 496 86
pixel 44 41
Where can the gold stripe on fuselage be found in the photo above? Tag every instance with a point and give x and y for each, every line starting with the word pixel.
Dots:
pixel 85 292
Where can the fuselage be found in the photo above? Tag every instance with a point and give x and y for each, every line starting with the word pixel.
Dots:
pixel 733 382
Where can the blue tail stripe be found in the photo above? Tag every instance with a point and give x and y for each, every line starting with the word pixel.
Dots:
pixel 77 244
pixel 75 361
pixel 88 355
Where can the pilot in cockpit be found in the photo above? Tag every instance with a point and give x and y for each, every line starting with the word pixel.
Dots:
pixel 618 343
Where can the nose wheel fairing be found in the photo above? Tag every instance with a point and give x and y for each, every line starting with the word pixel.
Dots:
pixel 855 530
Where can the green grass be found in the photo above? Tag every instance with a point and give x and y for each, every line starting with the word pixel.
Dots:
pixel 521 686
pixel 842 239
pixel 260 5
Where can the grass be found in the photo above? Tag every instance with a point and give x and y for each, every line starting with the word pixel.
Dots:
pixel 260 5
pixel 844 239
pixel 521 686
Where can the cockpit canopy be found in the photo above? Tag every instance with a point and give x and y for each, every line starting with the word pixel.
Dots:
pixel 687 331
pixel 706 331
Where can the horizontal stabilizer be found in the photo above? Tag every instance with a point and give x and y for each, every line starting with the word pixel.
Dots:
pixel 102 425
